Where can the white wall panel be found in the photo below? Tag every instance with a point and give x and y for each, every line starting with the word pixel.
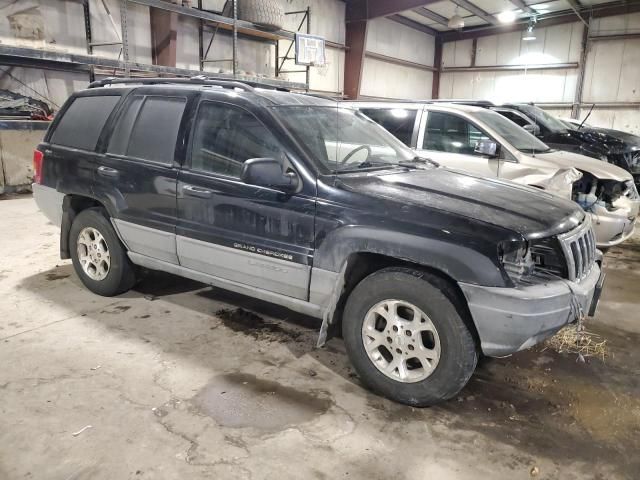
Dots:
pixel 387 80
pixel 457 54
pixel 390 38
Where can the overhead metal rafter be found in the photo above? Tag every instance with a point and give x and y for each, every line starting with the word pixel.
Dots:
pixel 477 11
pixel 413 24
pixel 576 7
pixel 524 7
pixel 432 16
pixel 369 9
pixel 548 20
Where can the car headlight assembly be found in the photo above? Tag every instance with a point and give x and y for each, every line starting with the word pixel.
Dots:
pixel 516 259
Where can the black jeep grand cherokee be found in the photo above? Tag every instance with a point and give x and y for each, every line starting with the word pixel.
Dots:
pixel 289 198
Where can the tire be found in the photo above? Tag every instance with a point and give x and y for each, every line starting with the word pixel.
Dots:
pixel 268 14
pixel 120 274
pixel 446 336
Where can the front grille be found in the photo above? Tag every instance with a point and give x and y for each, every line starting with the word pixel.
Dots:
pixel 579 248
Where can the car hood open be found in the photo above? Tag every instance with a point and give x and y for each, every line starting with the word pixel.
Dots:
pixel 525 210
pixel 598 168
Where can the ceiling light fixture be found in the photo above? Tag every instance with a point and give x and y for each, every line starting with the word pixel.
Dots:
pixel 456 22
pixel 508 16
pixel 529 34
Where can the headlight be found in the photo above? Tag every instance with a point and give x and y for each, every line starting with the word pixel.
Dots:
pixel 516 259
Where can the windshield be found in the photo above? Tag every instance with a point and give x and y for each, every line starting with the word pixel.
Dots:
pixel 343 139
pixel 543 118
pixel 516 136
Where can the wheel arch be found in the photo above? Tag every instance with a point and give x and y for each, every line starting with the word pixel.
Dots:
pixel 360 265
pixel 72 205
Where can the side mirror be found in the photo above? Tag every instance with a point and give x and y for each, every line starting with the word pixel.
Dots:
pixel 268 172
pixel 486 147
pixel 532 129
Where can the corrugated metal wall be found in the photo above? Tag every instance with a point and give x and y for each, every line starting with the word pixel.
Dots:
pixel 384 79
pixel 612 70
pixel 553 45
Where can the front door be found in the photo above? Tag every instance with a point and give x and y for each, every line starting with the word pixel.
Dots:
pixel 247 234
pixel 136 176
pixel 450 140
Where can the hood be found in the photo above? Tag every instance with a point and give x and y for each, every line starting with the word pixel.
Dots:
pixel 525 210
pixel 598 168
pixel 616 138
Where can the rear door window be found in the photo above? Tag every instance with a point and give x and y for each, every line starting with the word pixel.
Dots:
pixel 398 121
pixel 82 123
pixel 148 129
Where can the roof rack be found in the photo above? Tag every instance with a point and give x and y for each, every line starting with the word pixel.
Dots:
pixel 197 80
pixel 477 103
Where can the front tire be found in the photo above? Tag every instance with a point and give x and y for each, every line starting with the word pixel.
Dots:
pixel 406 338
pixel 98 256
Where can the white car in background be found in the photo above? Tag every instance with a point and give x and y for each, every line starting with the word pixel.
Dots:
pixel 483 142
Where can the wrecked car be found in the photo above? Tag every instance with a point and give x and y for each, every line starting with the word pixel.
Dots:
pixel 291 199
pixel 479 140
pixel 612 146
pixel 618 147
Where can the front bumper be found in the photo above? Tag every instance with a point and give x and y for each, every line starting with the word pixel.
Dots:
pixel 614 227
pixel 513 319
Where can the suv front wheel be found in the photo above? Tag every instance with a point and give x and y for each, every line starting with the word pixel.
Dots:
pixel 406 338
pixel 98 256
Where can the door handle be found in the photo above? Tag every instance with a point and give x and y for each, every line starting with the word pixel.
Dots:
pixel 108 171
pixel 196 191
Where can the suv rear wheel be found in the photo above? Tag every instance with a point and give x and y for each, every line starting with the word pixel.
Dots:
pixel 405 337
pixel 98 256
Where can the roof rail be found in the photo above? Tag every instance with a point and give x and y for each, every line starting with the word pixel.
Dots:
pixel 472 103
pixel 197 80
pixel 477 103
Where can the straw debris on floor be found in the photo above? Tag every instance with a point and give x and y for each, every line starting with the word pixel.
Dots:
pixel 575 339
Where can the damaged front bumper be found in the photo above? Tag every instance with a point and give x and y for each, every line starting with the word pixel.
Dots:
pixel 613 227
pixel 512 319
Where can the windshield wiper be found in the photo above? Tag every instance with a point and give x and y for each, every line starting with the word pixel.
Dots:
pixel 412 163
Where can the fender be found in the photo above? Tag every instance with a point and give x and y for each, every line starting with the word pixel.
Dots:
pixel 461 262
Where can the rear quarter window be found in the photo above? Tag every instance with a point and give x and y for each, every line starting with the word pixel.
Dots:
pixel 83 120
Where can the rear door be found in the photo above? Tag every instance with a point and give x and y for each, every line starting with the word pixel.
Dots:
pixel 248 234
pixel 451 139
pixel 137 174
pixel 70 146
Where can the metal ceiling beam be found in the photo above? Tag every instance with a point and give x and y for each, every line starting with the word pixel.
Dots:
pixel 413 24
pixel 576 7
pixel 548 20
pixel 524 7
pixel 467 5
pixel 369 9
pixel 432 16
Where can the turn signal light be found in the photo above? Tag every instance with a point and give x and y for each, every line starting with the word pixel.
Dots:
pixel 38 158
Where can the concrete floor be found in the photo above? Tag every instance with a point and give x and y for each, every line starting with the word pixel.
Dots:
pixel 175 382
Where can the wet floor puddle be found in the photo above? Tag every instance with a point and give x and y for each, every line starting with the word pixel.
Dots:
pixel 240 400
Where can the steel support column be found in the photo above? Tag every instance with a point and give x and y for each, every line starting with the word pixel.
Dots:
pixel 164 26
pixel 575 109
pixel 356 39
pixel 437 63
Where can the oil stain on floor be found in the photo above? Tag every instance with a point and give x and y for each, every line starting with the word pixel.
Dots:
pixel 241 400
